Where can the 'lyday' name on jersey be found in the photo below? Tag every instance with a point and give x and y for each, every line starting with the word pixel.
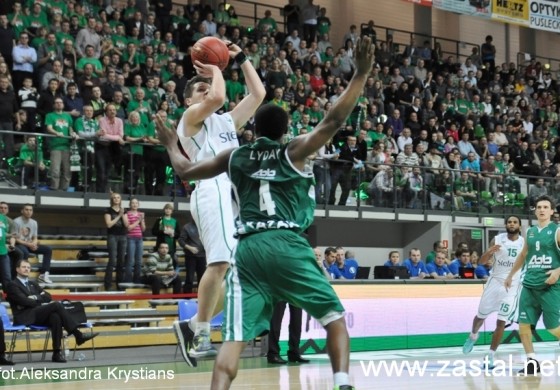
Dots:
pixel 265 155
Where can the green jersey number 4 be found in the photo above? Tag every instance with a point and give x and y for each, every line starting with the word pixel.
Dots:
pixel 266 202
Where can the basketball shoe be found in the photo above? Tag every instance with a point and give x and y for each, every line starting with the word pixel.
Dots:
pixel 185 337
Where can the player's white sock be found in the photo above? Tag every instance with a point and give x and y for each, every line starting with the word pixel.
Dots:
pixel 193 321
pixel 532 356
pixel 341 379
pixel 491 353
pixel 474 336
pixel 202 326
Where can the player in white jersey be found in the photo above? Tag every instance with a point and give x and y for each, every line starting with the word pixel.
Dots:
pixel 202 135
pixel 503 250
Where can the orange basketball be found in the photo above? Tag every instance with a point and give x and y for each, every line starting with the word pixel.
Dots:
pixel 212 51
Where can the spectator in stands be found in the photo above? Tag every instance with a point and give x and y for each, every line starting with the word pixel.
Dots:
pixel 8 107
pixel 346 262
pixel 536 190
pixel 341 170
pixel 466 147
pixel 394 259
pixel 60 124
pixel 7 38
pixel 438 246
pixel 116 240
pixel 267 25
pixel 158 271
pixel 24 58
pixel 464 191
pixel 7 243
pixel 482 271
pixel 382 188
pixel 369 30
pixel 488 54
pixel 26 232
pixel 14 252
pixel 329 264
pixel 108 147
pixel 32 305
pixel 292 14
pixel 408 157
pixel 195 255
pixel 438 269
pixel 166 229
pixel 88 36
pixel 414 191
pixel 414 265
pixel 321 171
pixel 463 260
pixel 135 223
pixel 30 159
pixel 309 14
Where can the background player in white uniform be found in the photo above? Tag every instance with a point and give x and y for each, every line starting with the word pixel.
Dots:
pixel 503 250
pixel 203 134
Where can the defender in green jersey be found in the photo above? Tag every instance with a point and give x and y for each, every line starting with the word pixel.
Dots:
pixel 272 261
pixel 540 257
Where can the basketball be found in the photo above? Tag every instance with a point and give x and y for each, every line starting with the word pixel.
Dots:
pixel 212 51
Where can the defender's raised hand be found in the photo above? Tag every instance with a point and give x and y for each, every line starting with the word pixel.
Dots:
pixel 166 135
pixel 364 55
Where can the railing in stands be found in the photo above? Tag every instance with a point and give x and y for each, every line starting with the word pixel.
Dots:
pixel 494 194
pixel 524 59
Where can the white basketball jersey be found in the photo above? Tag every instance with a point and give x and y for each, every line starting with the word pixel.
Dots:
pixel 506 256
pixel 216 135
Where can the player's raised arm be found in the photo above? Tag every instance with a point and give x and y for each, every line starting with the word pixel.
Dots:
pixel 303 146
pixel 184 168
pixel 215 97
pixel 245 109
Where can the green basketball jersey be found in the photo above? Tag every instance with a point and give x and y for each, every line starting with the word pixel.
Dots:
pixel 543 255
pixel 271 193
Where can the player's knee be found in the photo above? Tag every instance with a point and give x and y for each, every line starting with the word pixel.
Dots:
pixel 226 367
pixel 219 268
pixel 555 332
pixel 525 330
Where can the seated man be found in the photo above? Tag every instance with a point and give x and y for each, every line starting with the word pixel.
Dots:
pixel 438 269
pixel 415 266
pixel 463 260
pixel 394 259
pixel 26 231
pixel 329 264
pixel 31 305
pixel 482 271
pixel 158 271
pixel 346 263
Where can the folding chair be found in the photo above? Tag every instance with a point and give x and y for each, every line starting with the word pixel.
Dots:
pixel 15 330
pixel 38 328
pixel 187 309
pixel 217 321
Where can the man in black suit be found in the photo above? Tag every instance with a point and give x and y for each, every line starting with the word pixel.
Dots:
pixel 136 21
pixel 273 356
pixel 31 305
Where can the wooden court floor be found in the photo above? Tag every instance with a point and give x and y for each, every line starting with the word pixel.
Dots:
pixel 445 368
